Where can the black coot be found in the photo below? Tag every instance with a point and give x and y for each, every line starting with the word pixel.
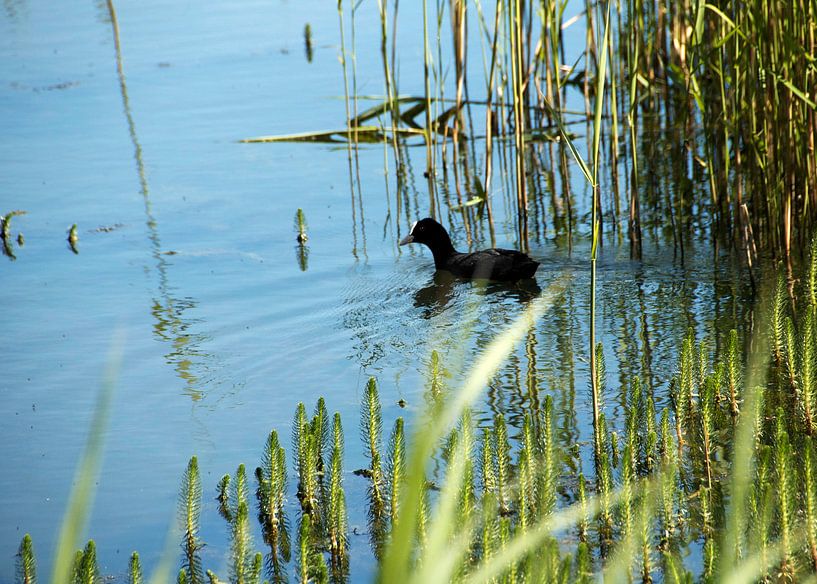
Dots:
pixel 503 265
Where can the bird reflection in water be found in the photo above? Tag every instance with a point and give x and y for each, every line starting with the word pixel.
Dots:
pixel 435 296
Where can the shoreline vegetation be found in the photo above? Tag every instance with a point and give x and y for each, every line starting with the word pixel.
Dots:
pixel 725 92
pixel 723 475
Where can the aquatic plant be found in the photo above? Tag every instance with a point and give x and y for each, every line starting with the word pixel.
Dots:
pixel 395 467
pixel 189 512
pixel 307 438
pixel 724 473
pixel 337 517
pixel 223 498
pixel 26 572
pixel 726 89
pixel 5 233
pixel 242 566
pixel 308 42
pixel 549 469
pixel 135 569
pixel 810 500
pixel 86 570
pixel 311 564
pixel 271 494
pixel 300 226
pixel 73 238
pixel 302 251
pixel 436 384
pixel 734 372
pixel 371 432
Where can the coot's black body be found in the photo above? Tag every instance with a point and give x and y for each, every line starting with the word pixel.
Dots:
pixel 502 265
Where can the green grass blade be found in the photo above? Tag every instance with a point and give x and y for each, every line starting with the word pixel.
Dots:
pixel 82 495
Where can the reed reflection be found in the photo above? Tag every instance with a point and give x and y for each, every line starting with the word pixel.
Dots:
pixel 168 311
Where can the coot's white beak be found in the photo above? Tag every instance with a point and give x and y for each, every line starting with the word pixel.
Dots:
pixel 410 237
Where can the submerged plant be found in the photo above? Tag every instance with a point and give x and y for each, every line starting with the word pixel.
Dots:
pixel 808 370
pixel 73 238
pixel 312 566
pixel 86 569
pixel 336 520
pixel 5 234
pixel 223 498
pixel 501 452
pixel 371 432
pixel 300 225
pixel 395 468
pixel 302 251
pixel 26 564
pixel 434 395
pixel 243 567
pixel 308 439
pixel 189 511
pixel 733 373
pixel 308 42
pixel 271 494
pixel 786 496
pixel 135 569
pixel 550 471
pixel 810 499
pixel 738 494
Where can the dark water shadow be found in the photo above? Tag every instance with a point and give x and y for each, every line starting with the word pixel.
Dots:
pixel 523 291
pixel 435 296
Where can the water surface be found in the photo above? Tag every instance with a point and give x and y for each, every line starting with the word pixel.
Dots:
pixel 187 248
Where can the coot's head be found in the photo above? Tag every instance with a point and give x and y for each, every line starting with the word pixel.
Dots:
pixel 429 232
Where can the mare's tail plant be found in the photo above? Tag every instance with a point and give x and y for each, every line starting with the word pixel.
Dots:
pixel 223 498
pixel 73 238
pixel 598 382
pixel 371 432
pixel 312 566
pixel 604 485
pixel 134 569
pixel 502 465
pixel 189 511
pixel 489 523
pixel 241 545
pixel 302 253
pixel 791 354
pixel 527 475
pixel 733 373
pixel 811 277
pixel 300 226
pixel 245 565
pixel 434 395
pixel 86 569
pixel 787 497
pixel 26 565
pixel 549 466
pixel 320 429
pixel 810 499
pixel 808 370
pixel 272 481
pixel 777 323
pixel 336 520
pixel 395 467
pixel 468 489
pixel 309 438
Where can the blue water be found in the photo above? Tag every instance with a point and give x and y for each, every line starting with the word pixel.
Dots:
pixel 187 249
